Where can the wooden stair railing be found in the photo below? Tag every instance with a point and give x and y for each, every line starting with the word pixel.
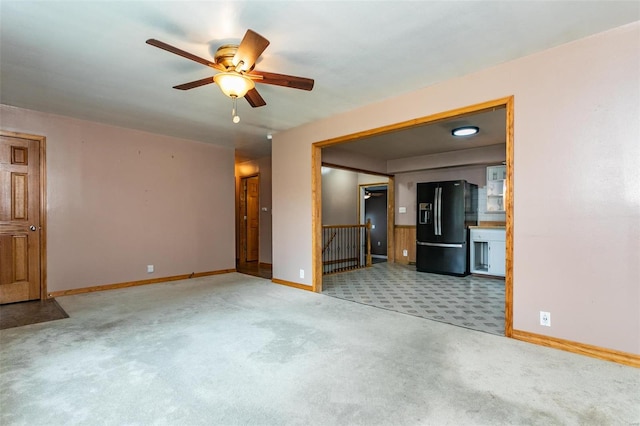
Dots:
pixel 346 247
pixel 329 242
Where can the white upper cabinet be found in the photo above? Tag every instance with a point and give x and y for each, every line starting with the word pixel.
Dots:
pixel 496 188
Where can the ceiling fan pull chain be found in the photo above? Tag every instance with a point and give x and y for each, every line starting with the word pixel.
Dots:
pixel 234 113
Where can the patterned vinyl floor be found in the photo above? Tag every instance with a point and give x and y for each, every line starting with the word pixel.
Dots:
pixel 472 302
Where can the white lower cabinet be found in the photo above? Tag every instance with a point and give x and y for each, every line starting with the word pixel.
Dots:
pixel 488 251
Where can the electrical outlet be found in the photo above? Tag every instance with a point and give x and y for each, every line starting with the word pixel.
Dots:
pixel 405 253
pixel 545 318
pixel 149 269
pixel 301 273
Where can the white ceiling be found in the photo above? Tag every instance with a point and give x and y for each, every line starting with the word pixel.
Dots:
pixel 89 59
pixel 431 138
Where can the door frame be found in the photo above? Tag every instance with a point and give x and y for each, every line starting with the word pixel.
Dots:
pixel 361 208
pixel 42 143
pixel 316 188
pixel 241 223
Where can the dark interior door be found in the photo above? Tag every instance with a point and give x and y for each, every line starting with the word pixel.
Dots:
pixel 375 209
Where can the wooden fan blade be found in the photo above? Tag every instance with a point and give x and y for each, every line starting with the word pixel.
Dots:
pixel 249 50
pixel 180 52
pixel 284 80
pixel 254 98
pixel 194 84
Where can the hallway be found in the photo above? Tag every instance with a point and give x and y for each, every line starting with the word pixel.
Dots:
pixel 260 270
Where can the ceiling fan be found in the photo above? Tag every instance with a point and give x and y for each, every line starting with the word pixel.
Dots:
pixel 369 194
pixel 237 76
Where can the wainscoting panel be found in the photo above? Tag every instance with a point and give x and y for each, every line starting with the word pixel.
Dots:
pixel 405 239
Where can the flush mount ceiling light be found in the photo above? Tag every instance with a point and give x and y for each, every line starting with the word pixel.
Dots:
pixel 465 131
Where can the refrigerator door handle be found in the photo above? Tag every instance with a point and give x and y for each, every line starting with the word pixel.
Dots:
pixel 439 211
pixel 420 243
pixel 435 211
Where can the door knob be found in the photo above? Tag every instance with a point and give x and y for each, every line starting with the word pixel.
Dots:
pixel 32 227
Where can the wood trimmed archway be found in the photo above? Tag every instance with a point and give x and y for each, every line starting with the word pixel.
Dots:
pixel 316 189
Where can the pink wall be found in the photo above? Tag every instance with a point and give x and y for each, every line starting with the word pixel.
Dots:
pixel 120 199
pixel 342 157
pixel 577 168
pixel 339 197
pixel 493 154
pixel 468 164
pixel 406 186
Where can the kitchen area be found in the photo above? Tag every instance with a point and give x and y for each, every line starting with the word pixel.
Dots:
pixel 473 296
pixel 469 290
pixel 449 237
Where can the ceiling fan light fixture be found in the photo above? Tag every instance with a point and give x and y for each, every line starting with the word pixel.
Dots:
pixel 465 131
pixel 233 84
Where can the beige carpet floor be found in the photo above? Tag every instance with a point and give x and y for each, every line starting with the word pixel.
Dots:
pixel 238 350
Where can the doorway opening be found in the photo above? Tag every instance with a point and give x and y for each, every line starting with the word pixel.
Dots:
pixel 372 207
pixel 458 114
pixel 249 228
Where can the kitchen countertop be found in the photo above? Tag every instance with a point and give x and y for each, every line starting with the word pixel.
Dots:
pixel 487 227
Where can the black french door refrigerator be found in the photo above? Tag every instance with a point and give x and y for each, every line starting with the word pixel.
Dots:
pixel 445 210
